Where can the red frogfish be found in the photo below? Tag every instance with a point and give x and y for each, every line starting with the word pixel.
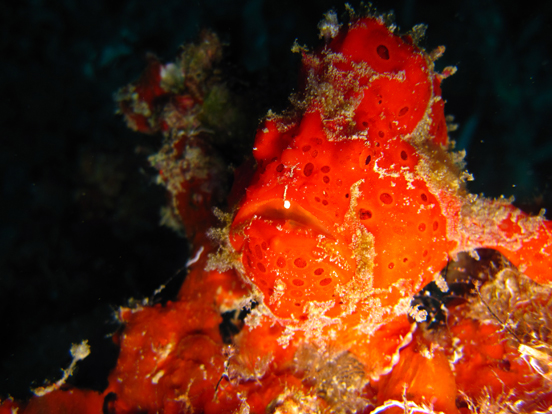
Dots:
pixel 355 202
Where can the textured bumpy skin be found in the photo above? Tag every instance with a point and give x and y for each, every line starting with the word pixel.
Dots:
pixel 336 195
pixel 354 201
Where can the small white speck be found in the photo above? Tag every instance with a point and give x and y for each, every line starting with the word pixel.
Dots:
pixel 195 258
pixel 287 204
pixel 157 377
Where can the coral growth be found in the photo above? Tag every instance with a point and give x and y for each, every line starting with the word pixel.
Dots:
pixel 321 287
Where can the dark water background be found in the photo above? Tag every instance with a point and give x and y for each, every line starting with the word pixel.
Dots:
pixel 79 233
